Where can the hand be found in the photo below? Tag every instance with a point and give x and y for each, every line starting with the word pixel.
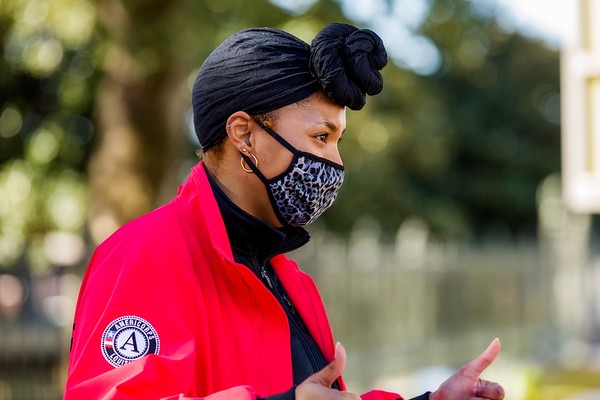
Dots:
pixel 318 385
pixel 465 384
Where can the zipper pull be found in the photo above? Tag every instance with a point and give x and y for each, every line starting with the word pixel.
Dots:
pixel 265 276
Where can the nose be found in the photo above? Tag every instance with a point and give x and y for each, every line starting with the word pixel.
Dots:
pixel 335 155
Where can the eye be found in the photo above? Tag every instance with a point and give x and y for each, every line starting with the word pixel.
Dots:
pixel 322 137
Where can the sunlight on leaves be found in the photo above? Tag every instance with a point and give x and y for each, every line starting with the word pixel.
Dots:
pixel 10 121
pixel 66 205
pixel 73 92
pixel 41 56
pixel 73 21
pixel 43 146
pixel 42 30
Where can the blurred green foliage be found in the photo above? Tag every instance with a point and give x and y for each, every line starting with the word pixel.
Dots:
pixel 560 383
pixel 47 73
pixel 463 147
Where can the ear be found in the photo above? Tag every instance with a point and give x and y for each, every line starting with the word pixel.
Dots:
pixel 239 130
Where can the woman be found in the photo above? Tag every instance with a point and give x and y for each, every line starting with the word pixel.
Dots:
pixel 196 299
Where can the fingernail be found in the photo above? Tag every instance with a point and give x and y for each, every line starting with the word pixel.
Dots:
pixel 337 347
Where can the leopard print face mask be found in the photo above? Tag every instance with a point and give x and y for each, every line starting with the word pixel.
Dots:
pixel 305 189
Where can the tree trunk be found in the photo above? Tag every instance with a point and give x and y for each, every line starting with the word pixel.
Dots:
pixel 141 103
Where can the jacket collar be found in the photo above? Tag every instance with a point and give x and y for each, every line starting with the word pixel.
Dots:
pixel 201 213
pixel 226 224
pixel 252 237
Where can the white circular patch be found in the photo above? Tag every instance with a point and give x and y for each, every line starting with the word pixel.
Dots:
pixel 127 339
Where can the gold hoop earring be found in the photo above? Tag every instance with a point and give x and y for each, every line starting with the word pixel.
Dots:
pixel 242 162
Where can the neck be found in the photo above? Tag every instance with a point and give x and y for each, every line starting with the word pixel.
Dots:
pixel 244 189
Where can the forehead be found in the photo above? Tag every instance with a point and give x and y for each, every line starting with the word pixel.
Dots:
pixel 315 109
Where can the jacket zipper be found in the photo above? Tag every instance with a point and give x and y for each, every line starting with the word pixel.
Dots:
pixel 294 318
pixel 265 276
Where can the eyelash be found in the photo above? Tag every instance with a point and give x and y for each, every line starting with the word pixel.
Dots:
pixel 322 137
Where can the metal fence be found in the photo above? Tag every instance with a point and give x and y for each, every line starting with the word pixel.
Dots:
pixel 396 311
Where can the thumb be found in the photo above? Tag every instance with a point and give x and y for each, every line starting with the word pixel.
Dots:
pixel 333 370
pixel 482 361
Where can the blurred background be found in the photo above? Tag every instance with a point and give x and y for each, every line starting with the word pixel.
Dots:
pixel 459 220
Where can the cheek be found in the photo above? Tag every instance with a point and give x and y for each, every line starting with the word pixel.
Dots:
pixel 274 160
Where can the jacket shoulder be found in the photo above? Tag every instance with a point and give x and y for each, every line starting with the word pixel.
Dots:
pixel 148 241
pixel 155 226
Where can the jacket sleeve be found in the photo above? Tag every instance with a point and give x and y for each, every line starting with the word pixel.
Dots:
pixel 380 395
pixel 145 386
pixel 128 286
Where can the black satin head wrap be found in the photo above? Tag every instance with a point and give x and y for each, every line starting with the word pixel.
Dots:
pixel 263 69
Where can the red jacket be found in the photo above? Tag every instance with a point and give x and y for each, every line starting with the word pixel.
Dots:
pixel 164 312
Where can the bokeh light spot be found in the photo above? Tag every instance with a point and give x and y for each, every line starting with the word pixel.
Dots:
pixel 10 122
pixel 374 137
pixel 17 183
pixel 43 146
pixel 11 291
pixel 42 56
pixel 35 12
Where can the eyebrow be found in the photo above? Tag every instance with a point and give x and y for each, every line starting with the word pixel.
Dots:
pixel 332 126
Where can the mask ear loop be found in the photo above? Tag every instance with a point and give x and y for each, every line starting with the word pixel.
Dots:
pixel 276 136
pixel 243 161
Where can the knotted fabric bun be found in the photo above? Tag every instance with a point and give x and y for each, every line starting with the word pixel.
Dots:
pixel 262 69
pixel 346 61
